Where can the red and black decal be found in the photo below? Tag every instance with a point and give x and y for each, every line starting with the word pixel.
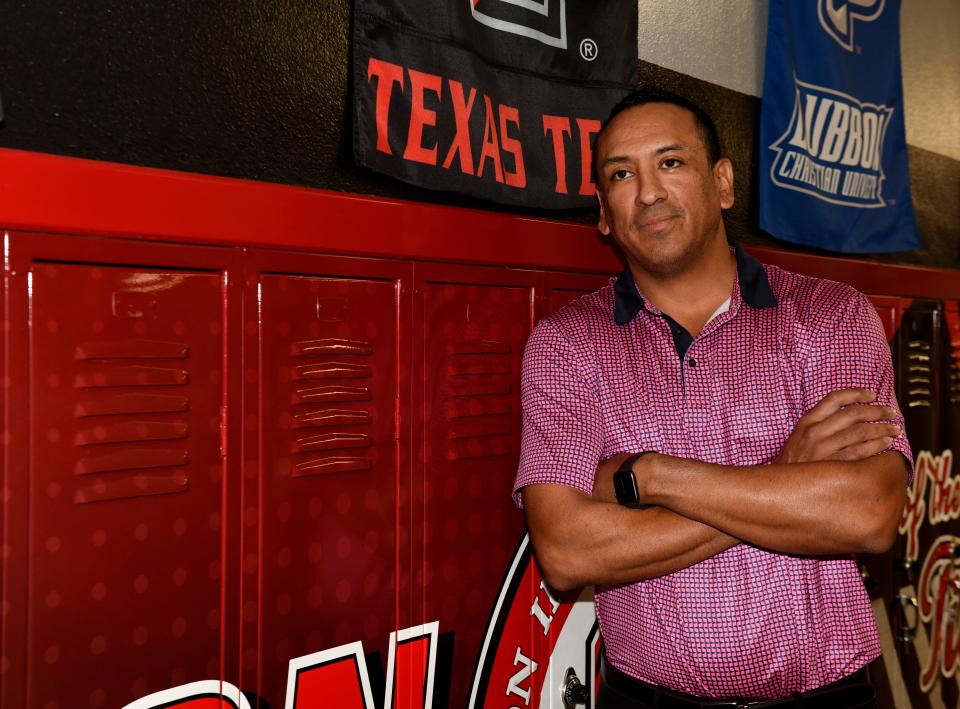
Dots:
pixel 339 677
pixel 533 640
pixel 205 694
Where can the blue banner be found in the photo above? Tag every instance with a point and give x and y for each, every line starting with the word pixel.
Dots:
pixel 833 155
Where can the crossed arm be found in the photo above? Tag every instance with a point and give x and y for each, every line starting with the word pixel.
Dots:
pixel 832 491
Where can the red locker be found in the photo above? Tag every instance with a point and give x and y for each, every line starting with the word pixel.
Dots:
pixel 252 460
pixel 326 394
pixel 123 473
pixel 331 463
pixel 474 324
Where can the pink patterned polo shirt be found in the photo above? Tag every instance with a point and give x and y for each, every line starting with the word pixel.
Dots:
pixel 603 376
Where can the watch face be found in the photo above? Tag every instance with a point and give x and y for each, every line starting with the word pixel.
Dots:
pixel 625 486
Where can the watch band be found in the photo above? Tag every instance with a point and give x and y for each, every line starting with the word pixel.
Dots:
pixel 625 483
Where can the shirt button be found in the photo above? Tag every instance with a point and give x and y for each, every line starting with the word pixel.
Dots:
pixel 691 363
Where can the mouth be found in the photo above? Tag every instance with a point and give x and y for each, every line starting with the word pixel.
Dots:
pixel 656 223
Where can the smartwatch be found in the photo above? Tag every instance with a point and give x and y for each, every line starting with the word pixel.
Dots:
pixel 625 484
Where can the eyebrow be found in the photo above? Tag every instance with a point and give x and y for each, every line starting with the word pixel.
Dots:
pixel 659 151
pixel 669 148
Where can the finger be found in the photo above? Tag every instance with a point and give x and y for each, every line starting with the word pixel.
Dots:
pixel 848 417
pixel 836 400
pixel 865 449
pixel 867 412
pixel 859 433
pixel 855 414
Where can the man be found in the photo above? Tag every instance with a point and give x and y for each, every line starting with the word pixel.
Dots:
pixel 745 390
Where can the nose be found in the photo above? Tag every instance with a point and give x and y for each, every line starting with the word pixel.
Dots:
pixel 650 189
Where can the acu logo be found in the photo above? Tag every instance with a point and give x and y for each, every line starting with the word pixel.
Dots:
pixel 839 17
pixel 542 20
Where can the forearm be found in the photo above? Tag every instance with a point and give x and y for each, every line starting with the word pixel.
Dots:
pixel 602 543
pixel 829 507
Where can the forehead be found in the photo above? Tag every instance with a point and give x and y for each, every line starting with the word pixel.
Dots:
pixel 649 127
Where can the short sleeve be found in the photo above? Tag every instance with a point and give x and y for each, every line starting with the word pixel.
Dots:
pixel 849 349
pixel 562 427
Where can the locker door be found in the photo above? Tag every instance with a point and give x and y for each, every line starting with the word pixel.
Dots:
pixel 564 288
pixel 884 575
pixel 567 638
pixel 920 368
pixel 920 351
pixel 473 337
pixel 331 459
pixel 125 481
pixel 890 311
pixel 952 378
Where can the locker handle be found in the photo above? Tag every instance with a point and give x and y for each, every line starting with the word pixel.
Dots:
pixel 223 431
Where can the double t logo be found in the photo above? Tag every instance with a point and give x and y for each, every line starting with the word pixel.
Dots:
pixel 542 20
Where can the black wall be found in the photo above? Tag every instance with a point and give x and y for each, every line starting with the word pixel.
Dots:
pixel 259 89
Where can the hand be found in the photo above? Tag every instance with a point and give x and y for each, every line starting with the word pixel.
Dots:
pixel 844 425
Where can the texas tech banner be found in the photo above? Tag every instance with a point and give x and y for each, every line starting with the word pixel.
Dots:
pixel 499 99
pixel 833 157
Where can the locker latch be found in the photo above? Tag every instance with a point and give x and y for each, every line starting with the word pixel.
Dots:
pixel 573 690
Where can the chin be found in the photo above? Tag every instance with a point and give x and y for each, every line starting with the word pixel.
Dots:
pixel 664 268
pixel 664 261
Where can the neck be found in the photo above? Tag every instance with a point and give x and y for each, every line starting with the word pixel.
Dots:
pixel 692 295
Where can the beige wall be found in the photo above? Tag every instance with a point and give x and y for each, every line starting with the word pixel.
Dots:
pixel 723 42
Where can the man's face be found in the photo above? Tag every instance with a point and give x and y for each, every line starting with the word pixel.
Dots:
pixel 659 197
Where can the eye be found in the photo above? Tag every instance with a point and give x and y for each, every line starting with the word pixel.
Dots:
pixel 671 163
pixel 618 175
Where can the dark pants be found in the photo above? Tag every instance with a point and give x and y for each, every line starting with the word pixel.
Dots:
pixel 851 695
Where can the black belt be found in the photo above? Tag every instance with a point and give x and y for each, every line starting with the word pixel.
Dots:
pixel 850 691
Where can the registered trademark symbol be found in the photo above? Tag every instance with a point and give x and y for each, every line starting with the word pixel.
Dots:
pixel 588 49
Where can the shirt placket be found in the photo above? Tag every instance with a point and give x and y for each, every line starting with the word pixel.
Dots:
pixel 695 397
pixel 697 386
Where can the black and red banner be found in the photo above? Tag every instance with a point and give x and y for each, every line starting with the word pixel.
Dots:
pixel 499 99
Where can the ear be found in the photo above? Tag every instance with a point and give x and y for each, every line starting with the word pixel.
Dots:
pixel 602 224
pixel 723 174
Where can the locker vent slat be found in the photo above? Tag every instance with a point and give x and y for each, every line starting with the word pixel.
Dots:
pixel 478 405
pixel 353 423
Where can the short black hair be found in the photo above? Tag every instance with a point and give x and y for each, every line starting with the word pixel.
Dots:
pixel 639 97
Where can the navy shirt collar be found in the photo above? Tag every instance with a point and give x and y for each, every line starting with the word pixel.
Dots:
pixel 754 288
